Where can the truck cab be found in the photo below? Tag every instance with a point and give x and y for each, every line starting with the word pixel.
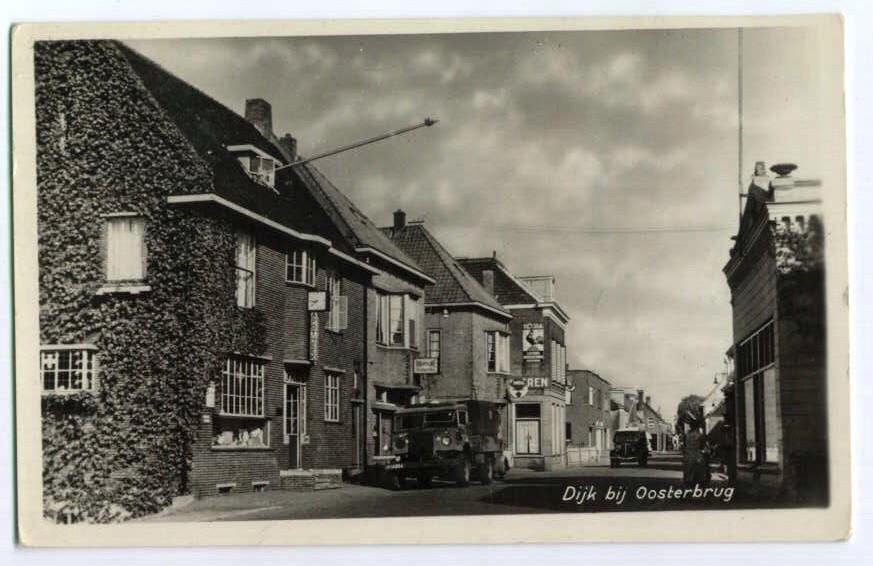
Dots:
pixel 448 440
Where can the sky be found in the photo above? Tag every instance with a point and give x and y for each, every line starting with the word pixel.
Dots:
pixel 606 158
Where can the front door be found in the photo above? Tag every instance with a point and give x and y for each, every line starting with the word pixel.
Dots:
pixel 292 424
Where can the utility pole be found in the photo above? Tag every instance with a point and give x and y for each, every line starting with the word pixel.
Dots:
pixel 428 122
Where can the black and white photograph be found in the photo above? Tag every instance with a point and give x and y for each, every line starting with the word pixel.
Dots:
pixel 362 272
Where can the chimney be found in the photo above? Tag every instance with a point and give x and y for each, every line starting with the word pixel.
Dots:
pixel 399 220
pixel 649 400
pixel 288 145
pixel 488 280
pixel 259 113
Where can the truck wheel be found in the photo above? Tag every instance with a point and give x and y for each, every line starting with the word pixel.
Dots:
pixel 486 472
pixel 462 472
pixel 614 463
pixel 395 482
pixel 643 461
pixel 425 479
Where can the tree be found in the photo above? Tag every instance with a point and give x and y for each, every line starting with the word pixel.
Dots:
pixel 688 408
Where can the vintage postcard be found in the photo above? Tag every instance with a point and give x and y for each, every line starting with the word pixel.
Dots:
pixel 448 282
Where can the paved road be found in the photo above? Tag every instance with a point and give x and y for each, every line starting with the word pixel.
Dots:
pixel 573 490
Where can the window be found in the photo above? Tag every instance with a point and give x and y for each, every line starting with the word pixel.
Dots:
pixel 331 397
pixel 568 431
pixel 558 359
pixel 262 170
pixel 393 320
pixel 411 309
pixel 245 269
pixel 590 395
pixel 338 318
pixel 125 248
pixel 242 392
pixel 497 351
pixel 300 267
pixel 527 428
pixel 434 346
pixel 758 409
pixel 68 368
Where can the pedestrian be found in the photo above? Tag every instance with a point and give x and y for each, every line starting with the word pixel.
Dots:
pixel 695 469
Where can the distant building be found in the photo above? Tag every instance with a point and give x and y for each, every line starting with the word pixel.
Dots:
pixel 589 419
pixel 538 361
pixel 776 277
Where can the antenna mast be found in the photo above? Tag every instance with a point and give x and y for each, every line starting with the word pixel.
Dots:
pixel 428 122
pixel 740 119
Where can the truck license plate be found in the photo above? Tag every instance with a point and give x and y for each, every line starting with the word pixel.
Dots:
pixel 393 466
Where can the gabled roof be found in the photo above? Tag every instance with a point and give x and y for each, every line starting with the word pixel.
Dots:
pixel 453 284
pixel 348 218
pixel 507 289
pixel 574 373
pixel 211 128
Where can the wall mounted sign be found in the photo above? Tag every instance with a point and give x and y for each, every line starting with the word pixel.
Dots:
pixel 313 335
pixel 532 341
pixel 516 388
pixel 425 365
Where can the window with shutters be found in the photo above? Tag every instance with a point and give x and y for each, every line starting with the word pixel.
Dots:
pixel 397 320
pixel 497 351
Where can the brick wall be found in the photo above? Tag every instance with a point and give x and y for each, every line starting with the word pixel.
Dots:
pixel 287 322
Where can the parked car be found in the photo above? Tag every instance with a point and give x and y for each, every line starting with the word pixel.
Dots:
pixel 629 445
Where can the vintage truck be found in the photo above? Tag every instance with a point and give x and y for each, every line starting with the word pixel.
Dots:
pixel 453 441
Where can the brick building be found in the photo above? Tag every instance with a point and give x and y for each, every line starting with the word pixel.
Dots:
pixel 589 420
pixel 538 362
pixel 777 399
pixel 208 322
pixel 466 329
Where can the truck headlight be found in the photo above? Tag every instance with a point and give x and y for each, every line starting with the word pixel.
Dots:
pixel 445 440
pixel 401 442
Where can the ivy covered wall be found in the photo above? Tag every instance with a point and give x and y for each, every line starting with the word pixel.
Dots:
pixel 104 146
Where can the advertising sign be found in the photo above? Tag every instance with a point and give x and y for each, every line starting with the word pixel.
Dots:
pixel 532 341
pixel 425 365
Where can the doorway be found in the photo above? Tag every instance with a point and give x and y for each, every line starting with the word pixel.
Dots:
pixel 294 422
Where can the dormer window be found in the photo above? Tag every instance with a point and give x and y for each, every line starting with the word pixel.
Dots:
pixel 258 164
pixel 262 170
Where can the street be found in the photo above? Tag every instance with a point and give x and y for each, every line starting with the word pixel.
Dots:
pixel 588 489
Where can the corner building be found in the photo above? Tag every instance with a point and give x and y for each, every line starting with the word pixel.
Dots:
pixel 537 388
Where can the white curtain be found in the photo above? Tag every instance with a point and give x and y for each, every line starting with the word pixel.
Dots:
pixel 125 248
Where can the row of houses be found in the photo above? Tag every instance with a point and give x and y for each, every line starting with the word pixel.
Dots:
pixel 213 320
pixel 775 395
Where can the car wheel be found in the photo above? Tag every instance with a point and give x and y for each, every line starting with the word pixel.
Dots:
pixel 395 482
pixel 486 472
pixel 462 472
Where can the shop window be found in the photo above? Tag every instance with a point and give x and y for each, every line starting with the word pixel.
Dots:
pixel 68 369
pixel 757 407
pixel 241 422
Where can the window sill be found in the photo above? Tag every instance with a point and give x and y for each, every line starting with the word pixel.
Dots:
pixel 242 448
pixel 289 283
pixel 123 289
pixel 243 417
pixel 334 330
pixel 388 347
pixel 67 392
